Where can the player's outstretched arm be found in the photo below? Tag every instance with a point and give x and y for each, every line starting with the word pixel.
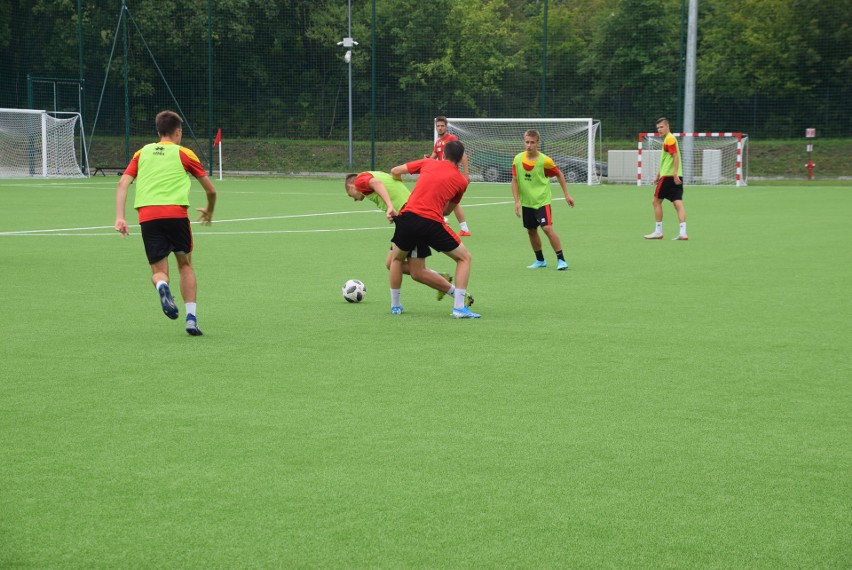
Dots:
pixel 206 217
pixel 379 188
pixel 120 203
pixel 561 178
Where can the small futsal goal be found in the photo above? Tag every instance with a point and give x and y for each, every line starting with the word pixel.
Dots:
pixel 710 159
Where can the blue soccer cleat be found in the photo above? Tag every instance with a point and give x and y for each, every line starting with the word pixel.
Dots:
pixel 396 310
pixel 537 264
pixel 465 313
pixel 192 326
pixel 169 307
pixel 561 265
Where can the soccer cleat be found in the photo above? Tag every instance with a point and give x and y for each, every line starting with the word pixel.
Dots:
pixel 468 299
pixel 561 265
pixel 537 264
pixel 449 278
pixel 465 313
pixel 192 326
pixel 654 235
pixel 396 310
pixel 169 307
pixel 464 233
pixel 681 238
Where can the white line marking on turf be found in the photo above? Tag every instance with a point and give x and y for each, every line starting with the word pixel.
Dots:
pixel 64 231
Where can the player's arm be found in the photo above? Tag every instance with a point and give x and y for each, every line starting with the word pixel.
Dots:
pixel 379 188
pixel 433 156
pixel 398 171
pixel 515 195
pixel 206 216
pixel 450 207
pixel 676 163
pixel 120 204
pixel 561 178
pixel 465 169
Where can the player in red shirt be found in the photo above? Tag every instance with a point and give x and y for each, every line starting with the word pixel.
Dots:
pixel 438 153
pixel 421 223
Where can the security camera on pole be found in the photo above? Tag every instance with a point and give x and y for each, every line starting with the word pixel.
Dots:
pixel 349 43
pixel 810 134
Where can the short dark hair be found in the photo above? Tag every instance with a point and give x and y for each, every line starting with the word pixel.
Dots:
pixel 168 122
pixel 440 119
pixel 350 178
pixel 662 120
pixel 454 151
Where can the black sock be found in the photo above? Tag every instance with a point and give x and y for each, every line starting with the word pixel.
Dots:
pixel 539 255
pixel 559 255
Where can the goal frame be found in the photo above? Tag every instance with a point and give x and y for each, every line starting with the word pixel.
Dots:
pixel 42 170
pixel 591 179
pixel 739 178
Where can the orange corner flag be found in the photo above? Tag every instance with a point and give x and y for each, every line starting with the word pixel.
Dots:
pixel 218 138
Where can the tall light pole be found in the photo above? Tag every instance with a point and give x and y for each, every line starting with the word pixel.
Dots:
pixel 349 43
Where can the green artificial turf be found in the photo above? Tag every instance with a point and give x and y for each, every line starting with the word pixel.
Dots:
pixel 660 405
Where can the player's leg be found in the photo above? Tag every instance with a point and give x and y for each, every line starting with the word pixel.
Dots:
pixel 681 217
pixel 189 292
pixel 461 299
pixel 404 264
pixel 464 230
pixel 532 219
pixel 657 204
pixel 160 278
pixel 157 248
pixel 397 256
pixel 556 244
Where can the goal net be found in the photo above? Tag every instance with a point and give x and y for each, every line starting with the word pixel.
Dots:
pixel 36 144
pixel 709 159
pixel 491 146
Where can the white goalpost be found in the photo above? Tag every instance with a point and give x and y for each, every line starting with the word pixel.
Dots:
pixel 709 159
pixel 491 146
pixel 36 144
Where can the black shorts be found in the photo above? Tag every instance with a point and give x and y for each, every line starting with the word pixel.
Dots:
pixel 535 217
pixel 415 233
pixel 420 252
pixel 668 190
pixel 164 236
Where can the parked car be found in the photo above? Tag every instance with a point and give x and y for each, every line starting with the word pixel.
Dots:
pixel 496 166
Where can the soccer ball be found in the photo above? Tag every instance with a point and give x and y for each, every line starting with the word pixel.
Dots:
pixel 354 291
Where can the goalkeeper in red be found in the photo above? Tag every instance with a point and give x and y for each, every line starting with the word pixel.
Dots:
pixel 421 226
pixel 162 171
pixel 669 182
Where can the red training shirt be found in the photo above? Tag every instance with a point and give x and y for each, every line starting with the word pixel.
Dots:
pixel 440 182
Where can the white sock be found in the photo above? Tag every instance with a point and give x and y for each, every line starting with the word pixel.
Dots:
pixel 683 229
pixel 452 290
pixel 161 283
pixel 459 295
pixel 463 226
pixel 190 309
pixel 658 228
pixel 395 297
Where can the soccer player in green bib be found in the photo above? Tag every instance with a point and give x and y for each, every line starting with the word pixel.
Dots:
pixel 162 171
pixel 531 174
pixel 669 183
pixel 390 194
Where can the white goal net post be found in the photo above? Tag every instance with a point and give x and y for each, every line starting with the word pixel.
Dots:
pixel 491 146
pixel 39 144
pixel 709 159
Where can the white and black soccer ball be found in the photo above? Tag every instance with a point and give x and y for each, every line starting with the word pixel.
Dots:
pixel 354 291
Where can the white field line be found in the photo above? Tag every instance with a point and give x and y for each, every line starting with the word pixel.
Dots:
pixel 76 231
